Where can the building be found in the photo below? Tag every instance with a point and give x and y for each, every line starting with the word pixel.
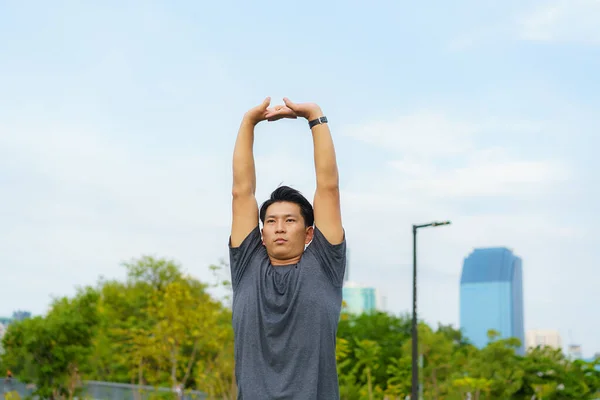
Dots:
pixel 543 338
pixel 575 352
pixel 491 296
pixel 17 316
pixel 380 300
pixel 20 315
pixel 4 321
pixel 358 298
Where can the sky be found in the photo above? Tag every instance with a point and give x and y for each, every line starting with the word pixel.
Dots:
pixel 118 120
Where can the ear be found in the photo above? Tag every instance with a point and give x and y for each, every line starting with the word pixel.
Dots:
pixel 262 237
pixel 310 231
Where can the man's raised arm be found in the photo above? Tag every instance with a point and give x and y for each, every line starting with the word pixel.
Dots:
pixel 244 206
pixel 326 205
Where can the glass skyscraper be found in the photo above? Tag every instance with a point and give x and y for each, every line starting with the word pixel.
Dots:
pixel 491 296
pixel 359 299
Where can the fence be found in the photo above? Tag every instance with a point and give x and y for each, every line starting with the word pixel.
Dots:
pixel 95 390
pixel 122 391
pixel 12 385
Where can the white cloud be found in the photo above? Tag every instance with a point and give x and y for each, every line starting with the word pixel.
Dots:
pixel 553 21
pixel 488 179
pixel 563 21
pixel 420 134
pixel 438 156
pixel 86 169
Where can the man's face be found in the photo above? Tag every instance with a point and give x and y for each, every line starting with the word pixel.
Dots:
pixel 284 233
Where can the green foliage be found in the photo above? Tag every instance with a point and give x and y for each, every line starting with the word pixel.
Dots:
pixel 374 362
pixel 50 351
pixel 12 396
pixel 549 375
pixel 161 327
pixel 387 330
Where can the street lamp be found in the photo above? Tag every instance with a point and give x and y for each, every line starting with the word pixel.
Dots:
pixel 415 347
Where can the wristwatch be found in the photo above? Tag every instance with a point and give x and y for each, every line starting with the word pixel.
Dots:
pixel 318 121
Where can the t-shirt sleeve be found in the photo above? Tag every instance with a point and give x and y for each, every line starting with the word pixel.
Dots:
pixel 240 257
pixel 331 257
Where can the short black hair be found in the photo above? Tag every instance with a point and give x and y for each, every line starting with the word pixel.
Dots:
pixel 286 193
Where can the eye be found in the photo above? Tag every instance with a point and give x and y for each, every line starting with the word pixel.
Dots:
pixel 270 221
pixel 291 220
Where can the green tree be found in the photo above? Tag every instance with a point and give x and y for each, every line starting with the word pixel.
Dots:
pixel 437 358
pixel 495 369
pixel 155 273
pixel 367 357
pixel 474 386
pixel 437 350
pixel 52 351
pixel 215 370
pixel 125 344
pixel 389 331
pixel 400 373
pixel 186 325
pixel 349 388
pixel 550 375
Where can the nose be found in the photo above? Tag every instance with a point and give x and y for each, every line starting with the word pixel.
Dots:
pixel 280 228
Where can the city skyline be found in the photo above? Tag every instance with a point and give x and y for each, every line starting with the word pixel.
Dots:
pixel 117 143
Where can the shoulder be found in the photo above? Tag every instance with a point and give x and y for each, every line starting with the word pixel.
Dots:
pixel 250 251
pixel 331 257
pixel 249 241
pixel 321 243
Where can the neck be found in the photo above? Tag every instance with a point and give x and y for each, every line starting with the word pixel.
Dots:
pixel 289 261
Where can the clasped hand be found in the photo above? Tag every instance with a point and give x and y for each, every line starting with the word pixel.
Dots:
pixel 289 110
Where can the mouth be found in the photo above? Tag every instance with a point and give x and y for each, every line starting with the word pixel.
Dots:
pixel 280 241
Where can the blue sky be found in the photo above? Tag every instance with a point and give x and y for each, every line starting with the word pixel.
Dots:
pixel 118 119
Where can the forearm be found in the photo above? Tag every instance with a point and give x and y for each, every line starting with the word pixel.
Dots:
pixel 244 173
pixel 325 160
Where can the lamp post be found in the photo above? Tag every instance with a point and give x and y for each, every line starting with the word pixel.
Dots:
pixel 414 335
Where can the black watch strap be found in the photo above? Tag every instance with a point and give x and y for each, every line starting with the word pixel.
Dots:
pixel 320 120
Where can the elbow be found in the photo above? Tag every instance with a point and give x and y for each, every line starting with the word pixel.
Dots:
pixel 242 191
pixel 331 186
pixel 328 179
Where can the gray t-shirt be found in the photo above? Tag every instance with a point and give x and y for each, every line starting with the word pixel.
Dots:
pixel 285 320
